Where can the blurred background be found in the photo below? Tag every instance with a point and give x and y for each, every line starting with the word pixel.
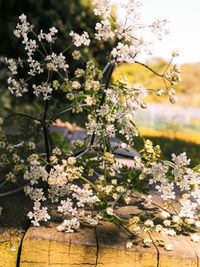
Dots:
pixel 176 127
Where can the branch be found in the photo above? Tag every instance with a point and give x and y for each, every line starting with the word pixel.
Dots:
pixel 12 192
pixel 104 95
pixel 23 115
pixel 63 111
pixel 149 68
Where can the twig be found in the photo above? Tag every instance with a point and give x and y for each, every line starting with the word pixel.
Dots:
pixel 12 192
pixel 23 115
pixel 3 183
pixel 45 131
pixel 103 97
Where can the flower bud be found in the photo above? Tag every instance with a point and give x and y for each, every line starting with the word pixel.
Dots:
pixel 175 53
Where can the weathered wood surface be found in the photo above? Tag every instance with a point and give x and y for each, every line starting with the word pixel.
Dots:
pixel 22 245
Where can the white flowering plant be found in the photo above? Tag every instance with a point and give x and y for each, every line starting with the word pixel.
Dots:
pixel 86 182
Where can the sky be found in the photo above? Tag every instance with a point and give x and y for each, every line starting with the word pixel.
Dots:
pixel 184 35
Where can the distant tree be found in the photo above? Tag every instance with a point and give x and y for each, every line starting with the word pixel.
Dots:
pixel 65 15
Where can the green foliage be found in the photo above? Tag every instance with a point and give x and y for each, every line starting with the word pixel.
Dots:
pixel 66 15
pixel 61 141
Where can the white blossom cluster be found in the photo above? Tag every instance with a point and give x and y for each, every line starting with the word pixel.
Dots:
pixel 49 37
pixel 38 214
pixel 79 40
pixel 54 62
pixel 102 7
pixel 75 182
pixel 184 187
pixel 120 107
pixel 17 87
pixel 45 89
pixel 132 30
pixel 60 179
pixel 75 212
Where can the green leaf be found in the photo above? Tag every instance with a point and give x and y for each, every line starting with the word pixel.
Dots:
pixel 38 107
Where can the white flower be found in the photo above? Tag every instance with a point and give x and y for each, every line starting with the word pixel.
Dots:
pixel 49 37
pixel 102 7
pixel 159 27
pixel 71 160
pixel 109 211
pixel 160 92
pixel 44 89
pixel 104 30
pixel 187 208
pixel 168 247
pixel 165 214
pixel 69 225
pixel 124 53
pixel 181 160
pixel 177 219
pixel 173 99
pixel 166 190
pixel 129 245
pixel 38 214
pixel 66 207
pixel 94 127
pixel 79 40
pixel 17 88
pixel 195 237
pixel 56 62
pixel 149 223
pixel 147 242
pixel 76 85
pixel 12 65
pixel 35 67
pixel 167 222
pixel 175 53
pixel 13 249
pixel 90 100
pixel 110 130
pixel 30 46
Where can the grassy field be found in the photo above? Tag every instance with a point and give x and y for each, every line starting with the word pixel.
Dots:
pixel 171 142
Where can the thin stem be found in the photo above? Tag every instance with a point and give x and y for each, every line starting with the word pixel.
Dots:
pixel 116 200
pixel 2 184
pixel 125 228
pixel 121 220
pixel 165 83
pixel 106 67
pixel 149 68
pixel 65 110
pixel 52 144
pixel 81 153
pixel 170 62
pixel 103 97
pixel 23 115
pixel 45 131
pixel 64 79
pixel 67 48
pixel 40 43
pixel 43 55
pixel 156 73
pixel 174 209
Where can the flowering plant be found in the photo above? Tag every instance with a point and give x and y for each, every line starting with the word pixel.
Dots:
pixel 86 180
